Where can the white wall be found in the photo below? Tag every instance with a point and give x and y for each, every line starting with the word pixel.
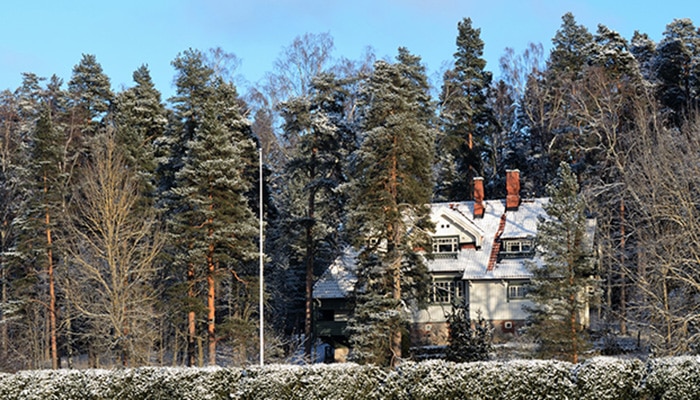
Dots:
pixel 491 298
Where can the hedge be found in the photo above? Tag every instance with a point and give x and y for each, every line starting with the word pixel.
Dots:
pixel 599 378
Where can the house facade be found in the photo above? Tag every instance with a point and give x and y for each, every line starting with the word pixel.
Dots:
pixel 482 253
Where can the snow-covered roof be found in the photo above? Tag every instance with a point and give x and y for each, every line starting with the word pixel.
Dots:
pixel 519 224
pixel 338 281
pixel 522 223
pixel 471 262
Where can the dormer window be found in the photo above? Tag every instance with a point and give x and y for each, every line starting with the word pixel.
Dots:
pixel 446 246
pixel 517 248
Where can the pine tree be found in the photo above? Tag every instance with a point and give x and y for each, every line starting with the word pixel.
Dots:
pixel 140 118
pixel 547 107
pixel 13 176
pixel 313 175
pixel 465 116
pixel 388 207
pixel 212 223
pixel 611 52
pixel 643 49
pixel 561 286
pixel 47 191
pixel 677 68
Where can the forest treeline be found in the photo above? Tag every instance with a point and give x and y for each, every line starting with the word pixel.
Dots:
pixel 129 231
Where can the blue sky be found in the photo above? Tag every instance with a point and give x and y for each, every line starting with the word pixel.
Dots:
pixel 48 37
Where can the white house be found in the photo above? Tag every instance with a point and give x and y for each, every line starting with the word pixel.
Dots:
pixel 482 250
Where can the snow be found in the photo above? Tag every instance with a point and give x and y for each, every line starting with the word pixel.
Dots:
pixel 599 378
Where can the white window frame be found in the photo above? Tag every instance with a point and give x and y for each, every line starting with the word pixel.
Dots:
pixel 445 244
pixel 519 246
pixel 517 291
pixel 444 291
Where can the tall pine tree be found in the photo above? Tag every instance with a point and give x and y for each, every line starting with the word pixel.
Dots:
pixel 211 219
pixel 465 116
pixel 314 173
pixel 388 207
pixel 140 118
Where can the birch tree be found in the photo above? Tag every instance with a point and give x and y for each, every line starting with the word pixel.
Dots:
pixel 113 248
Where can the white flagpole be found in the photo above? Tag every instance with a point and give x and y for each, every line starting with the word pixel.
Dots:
pixel 262 343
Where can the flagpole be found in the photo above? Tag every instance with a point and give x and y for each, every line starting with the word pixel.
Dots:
pixel 262 343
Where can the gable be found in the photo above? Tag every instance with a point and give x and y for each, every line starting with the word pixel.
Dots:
pixel 450 222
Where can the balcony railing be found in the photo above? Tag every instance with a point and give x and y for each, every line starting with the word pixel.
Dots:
pixel 445 256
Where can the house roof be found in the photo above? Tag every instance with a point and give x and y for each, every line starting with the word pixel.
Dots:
pixel 338 281
pixel 519 224
pixel 522 223
pixel 470 263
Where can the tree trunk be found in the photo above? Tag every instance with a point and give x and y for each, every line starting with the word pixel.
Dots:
pixel 308 304
pixel 211 306
pixel 309 259
pixel 191 323
pixel 52 289
pixel 573 328
pixel 394 239
pixel 623 276
pixel 396 332
pixel 3 319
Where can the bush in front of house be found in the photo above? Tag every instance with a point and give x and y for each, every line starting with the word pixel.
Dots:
pixel 599 378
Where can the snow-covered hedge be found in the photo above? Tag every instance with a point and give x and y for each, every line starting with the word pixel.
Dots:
pixel 609 379
pixel 674 378
pixel 598 378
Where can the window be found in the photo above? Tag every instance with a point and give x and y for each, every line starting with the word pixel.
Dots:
pixel 447 291
pixel 341 316
pixel 446 245
pixel 516 291
pixel 517 247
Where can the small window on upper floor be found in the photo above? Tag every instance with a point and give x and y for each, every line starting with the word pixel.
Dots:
pixel 517 248
pixel 446 246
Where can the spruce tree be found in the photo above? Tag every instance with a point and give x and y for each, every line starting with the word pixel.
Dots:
pixel 572 45
pixel 561 286
pixel 389 215
pixel 90 99
pixel 469 340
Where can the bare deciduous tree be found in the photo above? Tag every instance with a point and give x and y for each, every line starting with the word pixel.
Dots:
pixel 663 182
pixel 112 251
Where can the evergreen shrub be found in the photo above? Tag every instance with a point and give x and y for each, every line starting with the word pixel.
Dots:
pixel 605 378
pixel 599 378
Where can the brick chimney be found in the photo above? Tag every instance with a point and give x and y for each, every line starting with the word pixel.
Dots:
pixel 512 189
pixel 478 197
